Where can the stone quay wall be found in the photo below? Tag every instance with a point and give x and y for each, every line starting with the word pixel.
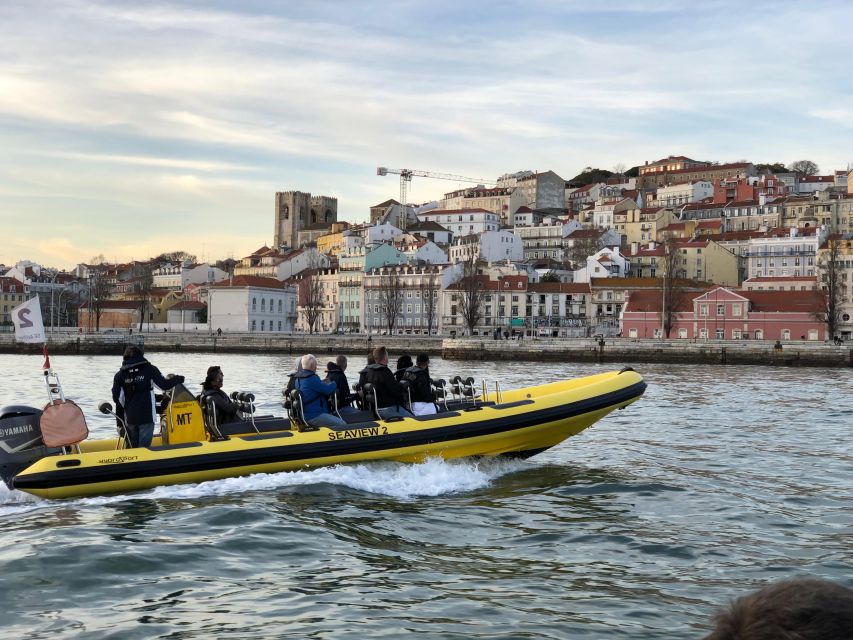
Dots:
pixel 618 351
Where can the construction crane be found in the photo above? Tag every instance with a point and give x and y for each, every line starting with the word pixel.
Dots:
pixel 407 174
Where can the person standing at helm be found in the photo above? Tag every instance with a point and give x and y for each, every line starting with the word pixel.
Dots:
pixel 388 391
pixel 133 393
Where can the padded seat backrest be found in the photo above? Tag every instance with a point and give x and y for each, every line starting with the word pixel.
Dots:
pixel 63 424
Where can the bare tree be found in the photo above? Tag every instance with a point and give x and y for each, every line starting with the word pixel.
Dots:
pixel 311 298
pixel 429 293
pixel 99 293
pixel 390 297
pixel 804 167
pixel 142 286
pixel 581 249
pixel 831 265
pixel 671 289
pixel 619 169
pixel 472 294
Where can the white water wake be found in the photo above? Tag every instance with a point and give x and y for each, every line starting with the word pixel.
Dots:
pixel 433 477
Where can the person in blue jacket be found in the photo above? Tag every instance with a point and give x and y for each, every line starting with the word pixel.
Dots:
pixel 133 393
pixel 315 395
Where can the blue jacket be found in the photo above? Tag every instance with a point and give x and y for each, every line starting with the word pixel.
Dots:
pixel 314 393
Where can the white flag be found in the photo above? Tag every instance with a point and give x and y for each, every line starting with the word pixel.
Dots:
pixel 28 323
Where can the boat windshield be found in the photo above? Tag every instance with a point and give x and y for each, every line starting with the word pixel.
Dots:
pixel 182 394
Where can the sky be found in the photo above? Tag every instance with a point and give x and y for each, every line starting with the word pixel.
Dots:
pixel 133 128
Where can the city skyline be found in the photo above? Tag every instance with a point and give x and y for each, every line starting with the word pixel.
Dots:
pixel 130 131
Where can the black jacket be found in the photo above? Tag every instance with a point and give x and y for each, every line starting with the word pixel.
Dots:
pixel 133 390
pixel 421 385
pixel 335 374
pixel 226 409
pixel 387 388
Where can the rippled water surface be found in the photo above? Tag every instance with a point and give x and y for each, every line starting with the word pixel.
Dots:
pixel 716 482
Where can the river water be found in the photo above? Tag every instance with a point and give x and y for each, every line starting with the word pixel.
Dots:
pixel 718 481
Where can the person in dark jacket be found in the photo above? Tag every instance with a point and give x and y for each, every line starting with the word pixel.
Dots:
pixel 226 409
pixel 291 377
pixel 388 391
pixel 133 394
pixel 423 397
pixel 403 363
pixel 335 372
pixel 362 375
pixel 315 393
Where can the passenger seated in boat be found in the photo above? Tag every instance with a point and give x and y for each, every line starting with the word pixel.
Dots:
pixel 362 375
pixel 391 401
pixel 336 372
pixel 226 409
pixel 403 363
pixel 315 393
pixel 423 397
pixel 291 377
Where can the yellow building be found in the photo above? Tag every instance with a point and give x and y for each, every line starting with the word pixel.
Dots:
pixel 337 240
pixel 642 225
pixel 702 260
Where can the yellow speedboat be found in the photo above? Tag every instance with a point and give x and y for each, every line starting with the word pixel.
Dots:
pixel 521 422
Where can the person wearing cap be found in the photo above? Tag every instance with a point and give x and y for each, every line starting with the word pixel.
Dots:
pixel 133 394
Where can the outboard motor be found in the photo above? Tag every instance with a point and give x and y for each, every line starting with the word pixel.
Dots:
pixel 20 440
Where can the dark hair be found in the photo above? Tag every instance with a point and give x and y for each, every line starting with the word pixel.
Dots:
pixel 212 372
pixel 133 351
pixel 803 608
pixel 422 359
pixel 404 361
pixel 370 358
pixel 379 354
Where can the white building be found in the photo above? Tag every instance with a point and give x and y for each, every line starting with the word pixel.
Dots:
pixel 684 193
pixel 811 184
pixel 464 222
pixel 604 263
pixel 379 233
pixel 491 246
pixel 785 252
pixel 416 284
pixel 251 304
pixel 423 251
pixel 178 276
pixel 545 240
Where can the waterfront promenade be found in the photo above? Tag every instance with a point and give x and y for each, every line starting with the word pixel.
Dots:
pixel 614 350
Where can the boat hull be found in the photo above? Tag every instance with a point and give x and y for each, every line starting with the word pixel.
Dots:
pixel 524 422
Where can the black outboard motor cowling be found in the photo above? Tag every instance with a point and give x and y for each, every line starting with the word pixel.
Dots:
pixel 20 440
pixel 19 428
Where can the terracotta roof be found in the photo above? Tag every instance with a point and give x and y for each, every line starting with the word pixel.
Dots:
pixel 651 301
pixel 817 179
pixel 385 205
pixel 249 281
pixel 584 233
pixel 495 285
pixel 782 279
pixel 809 302
pixel 438 212
pixel 559 287
pixel 426 225
pixel 188 305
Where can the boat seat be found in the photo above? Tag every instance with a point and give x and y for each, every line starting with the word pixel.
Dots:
pixel 63 424
pixel 355 417
pixel 265 425
pixel 438 416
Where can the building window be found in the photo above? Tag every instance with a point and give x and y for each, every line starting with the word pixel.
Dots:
pixel 720 333
pixel 736 310
pixel 786 334
pixel 254 304
pixel 721 309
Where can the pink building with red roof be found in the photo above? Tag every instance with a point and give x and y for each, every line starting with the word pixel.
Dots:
pixel 729 314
